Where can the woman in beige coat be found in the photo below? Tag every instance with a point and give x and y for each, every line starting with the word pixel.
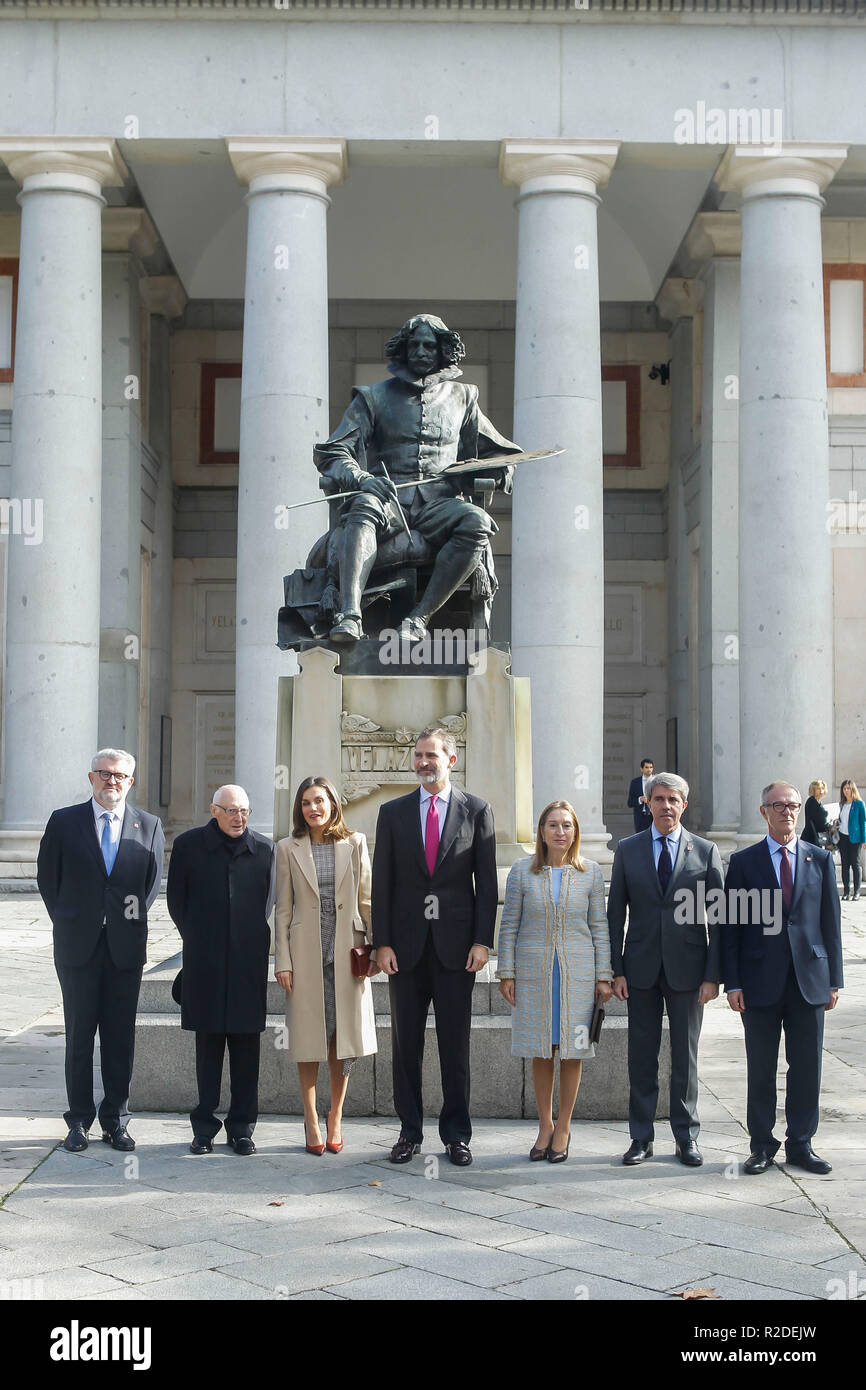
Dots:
pixel 323 911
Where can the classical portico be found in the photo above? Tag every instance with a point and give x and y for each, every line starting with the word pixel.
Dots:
pixel 197 286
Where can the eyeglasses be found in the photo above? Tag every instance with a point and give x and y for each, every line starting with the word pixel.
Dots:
pixel 779 806
pixel 113 776
pixel 234 810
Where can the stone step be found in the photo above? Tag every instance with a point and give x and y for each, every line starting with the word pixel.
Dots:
pixel 155 996
pixel 164 1075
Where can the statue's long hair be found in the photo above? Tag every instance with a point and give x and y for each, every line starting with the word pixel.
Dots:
pixel 451 349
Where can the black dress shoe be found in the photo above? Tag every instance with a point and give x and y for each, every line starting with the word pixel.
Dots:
pixel 243 1146
pixel 201 1146
pixel 637 1152
pixel 759 1161
pixel 119 1139
pixel 804 1156
pixel 404 1150
pixel 689 1154
pixel 459 1154
pixel 76 1139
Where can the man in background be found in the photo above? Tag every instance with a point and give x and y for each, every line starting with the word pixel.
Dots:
pixel 637 797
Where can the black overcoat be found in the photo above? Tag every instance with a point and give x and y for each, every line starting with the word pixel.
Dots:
pixel 219 904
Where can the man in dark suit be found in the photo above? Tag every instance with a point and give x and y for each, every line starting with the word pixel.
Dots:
pixel 220 893
pixel 637 799
pixel 434 911
pixel 671 958
pixel 782 967
pixel 99 870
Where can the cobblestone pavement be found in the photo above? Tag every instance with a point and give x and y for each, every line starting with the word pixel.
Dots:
pixel 162 1224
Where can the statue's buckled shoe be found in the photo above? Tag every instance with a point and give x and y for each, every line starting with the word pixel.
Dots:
pixel 347 629
pixel 412 630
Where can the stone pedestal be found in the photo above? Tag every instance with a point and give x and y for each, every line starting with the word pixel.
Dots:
pixel 164 1076
pixel 360 731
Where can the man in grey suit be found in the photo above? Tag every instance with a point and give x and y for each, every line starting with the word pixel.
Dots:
pixel 663 877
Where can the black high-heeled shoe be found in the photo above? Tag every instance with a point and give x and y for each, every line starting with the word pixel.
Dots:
pixel 557 1155
pixel 536 1154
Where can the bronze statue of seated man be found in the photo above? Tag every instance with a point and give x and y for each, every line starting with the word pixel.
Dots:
pixel 410 429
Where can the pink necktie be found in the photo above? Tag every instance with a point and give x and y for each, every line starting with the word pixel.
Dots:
pixel 431 836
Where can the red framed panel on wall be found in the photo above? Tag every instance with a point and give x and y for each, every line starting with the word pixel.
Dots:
pixel 849 273
pixel 629 457
pixel 219 412
pixel 8 272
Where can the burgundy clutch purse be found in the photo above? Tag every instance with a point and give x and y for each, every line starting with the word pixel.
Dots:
pixel 361 961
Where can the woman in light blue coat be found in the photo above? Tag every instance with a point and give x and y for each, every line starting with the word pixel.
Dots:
pixel 554 962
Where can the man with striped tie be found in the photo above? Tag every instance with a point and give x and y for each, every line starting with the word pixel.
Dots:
pixel 434 911
pixel 99 870
pixel 663 877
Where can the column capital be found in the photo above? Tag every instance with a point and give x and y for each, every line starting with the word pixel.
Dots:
pixel 793 168
pixel 76 157
pixel 557 166
pixel 129 229
pixel 714 234
pixel 679 298
pixel 162 294
pixel 283 164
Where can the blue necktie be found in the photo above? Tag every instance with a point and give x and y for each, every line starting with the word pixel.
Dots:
pixel 666 868
pixel 109 850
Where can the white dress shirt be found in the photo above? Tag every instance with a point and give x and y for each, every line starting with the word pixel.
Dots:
pixel 442 800
pixel 774 847
pixel 673 844
pixel 844 813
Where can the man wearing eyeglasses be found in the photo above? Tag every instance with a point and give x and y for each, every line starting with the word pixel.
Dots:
pixel 782 966
pixel 99 870
pixel 220 894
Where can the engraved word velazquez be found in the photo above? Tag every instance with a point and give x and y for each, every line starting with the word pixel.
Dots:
pixel 373 757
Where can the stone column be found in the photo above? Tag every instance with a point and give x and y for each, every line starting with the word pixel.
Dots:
pixel 786 610
pixel 284 410
pixel 52 654
pixel 714 242
pixel 679 300
pixel 128 235
pixel 557 628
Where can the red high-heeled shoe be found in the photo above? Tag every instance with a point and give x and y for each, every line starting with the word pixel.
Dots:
pixel 333 1148
pixel 317 1149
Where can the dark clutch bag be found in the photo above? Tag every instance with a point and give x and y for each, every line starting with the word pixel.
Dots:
pixel 597 1021
pixel 361 961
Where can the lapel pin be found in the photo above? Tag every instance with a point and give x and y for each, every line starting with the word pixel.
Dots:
pixel 135 825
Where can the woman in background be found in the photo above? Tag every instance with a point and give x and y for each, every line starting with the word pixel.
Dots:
pixel 852 833
pixel 815 817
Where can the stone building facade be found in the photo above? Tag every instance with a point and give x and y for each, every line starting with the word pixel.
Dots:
pixel 648 222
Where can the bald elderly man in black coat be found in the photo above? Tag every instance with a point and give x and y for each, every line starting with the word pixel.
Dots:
pixel 220 895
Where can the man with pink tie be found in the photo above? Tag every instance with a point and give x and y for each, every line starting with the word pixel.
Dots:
pixel 434 910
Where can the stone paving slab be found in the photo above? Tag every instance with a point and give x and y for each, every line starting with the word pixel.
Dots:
pixel 570 1285
pixel 680 1271
pixel 319 1268
pixel 768 1271
pixel 416 1284
pixel 486 1267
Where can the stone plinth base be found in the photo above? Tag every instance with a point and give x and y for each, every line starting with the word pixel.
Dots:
pixel 164 1075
